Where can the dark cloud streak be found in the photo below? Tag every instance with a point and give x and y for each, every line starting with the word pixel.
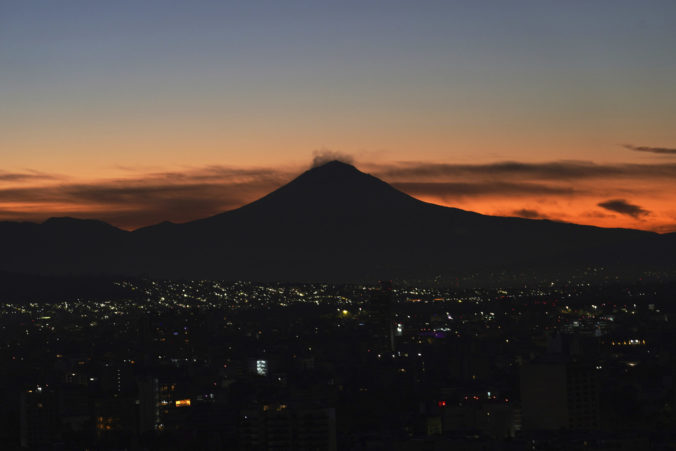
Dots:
pixel 550 171
pixel 658 150
pixel 25 176
pixel 623 207
pixel 529 214
pixel 466 189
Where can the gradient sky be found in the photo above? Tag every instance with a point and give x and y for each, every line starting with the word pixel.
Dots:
pixel 140 111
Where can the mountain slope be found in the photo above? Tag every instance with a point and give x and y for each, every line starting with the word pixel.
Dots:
pixel 61 246
pixel 336 223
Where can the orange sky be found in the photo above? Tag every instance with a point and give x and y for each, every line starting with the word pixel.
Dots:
pixel 139 112
pixel 637 195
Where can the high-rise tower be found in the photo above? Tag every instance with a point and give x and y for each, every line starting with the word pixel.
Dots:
pixel 381 310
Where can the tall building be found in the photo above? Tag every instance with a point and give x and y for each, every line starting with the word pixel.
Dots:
pixel 380 310
pixel 559 395
pixel 149 409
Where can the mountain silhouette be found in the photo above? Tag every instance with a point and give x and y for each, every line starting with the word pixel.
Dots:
pixel 331 223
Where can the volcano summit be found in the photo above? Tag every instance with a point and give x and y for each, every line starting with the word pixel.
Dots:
pixel 331 223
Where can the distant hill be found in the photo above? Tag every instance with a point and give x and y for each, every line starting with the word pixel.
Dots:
pixel 331 223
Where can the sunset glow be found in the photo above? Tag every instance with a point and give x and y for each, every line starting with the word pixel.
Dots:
pixel 136 113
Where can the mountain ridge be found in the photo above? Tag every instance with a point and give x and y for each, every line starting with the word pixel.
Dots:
pixel 334 223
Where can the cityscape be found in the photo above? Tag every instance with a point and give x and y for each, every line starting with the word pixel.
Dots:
pixel 162 364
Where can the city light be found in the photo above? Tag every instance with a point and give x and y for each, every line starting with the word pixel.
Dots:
pixel 262 367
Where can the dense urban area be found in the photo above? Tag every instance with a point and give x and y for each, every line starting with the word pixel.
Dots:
pixel 583 363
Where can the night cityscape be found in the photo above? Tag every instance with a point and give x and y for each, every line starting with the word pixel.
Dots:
pixel 155 364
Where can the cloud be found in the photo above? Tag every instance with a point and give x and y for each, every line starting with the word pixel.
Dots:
pixel 529 214
pixel 660 150
pixel 145 199
pixel 596 215
pixel 548 171
pixel 476 189
pixel 623 207
pixel 323 156
pixel 25 176
pixel 218 173
pixel 666 228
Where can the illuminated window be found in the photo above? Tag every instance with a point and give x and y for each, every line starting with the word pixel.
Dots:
pixel 182 403
pixel 262 367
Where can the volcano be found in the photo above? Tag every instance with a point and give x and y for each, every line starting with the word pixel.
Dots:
pixel 331 223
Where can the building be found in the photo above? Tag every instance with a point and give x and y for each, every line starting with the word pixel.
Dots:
pixel 39 418
pixel 281 427
pixel 559 395
pixel 381 316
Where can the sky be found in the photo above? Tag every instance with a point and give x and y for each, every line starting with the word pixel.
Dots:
pixel 139 112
